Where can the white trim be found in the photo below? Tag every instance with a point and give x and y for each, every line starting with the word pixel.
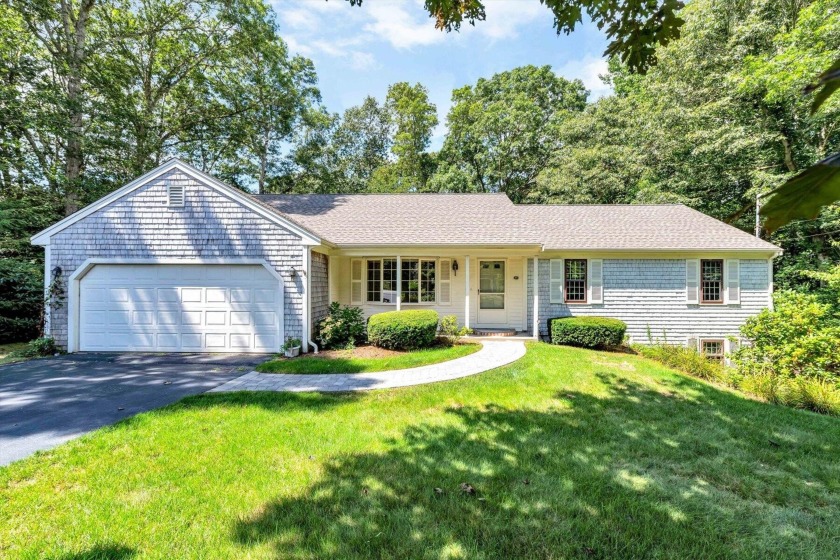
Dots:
pixel 47 282
pixel 307 255
pixel 399 283
pixel 307 237
pixel 536 318
pixel 467 291
pixel 74 286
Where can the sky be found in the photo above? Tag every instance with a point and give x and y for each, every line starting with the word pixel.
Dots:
pixel 360 51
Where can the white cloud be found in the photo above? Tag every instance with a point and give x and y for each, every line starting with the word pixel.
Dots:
pixel 587 70
pixel 505 18
pixel 362 61
pixel 401 24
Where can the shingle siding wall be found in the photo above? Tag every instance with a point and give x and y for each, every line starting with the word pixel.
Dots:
pixel 320 286
pixel 650 294
pixel 210 225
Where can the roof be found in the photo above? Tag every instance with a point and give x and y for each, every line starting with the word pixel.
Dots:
pixel 408 219
pixel 492 219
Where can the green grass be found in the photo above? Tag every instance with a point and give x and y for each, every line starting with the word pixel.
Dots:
pixel 346 363
pixel 623 458
pixel 7 352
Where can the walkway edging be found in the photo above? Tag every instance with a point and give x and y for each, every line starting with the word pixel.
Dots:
pixel 492 355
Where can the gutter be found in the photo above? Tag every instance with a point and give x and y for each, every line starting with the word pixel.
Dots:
pixel 307 299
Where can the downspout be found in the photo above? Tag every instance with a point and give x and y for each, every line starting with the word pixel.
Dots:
pixel 307 298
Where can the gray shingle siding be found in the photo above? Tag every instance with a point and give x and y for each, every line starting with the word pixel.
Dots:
pixel 210 225
pixel 320 286
pixel 649 294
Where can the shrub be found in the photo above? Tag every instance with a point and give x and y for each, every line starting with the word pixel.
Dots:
pixel 817 395
pixel 44 346
pixel 403 330
pixel 343 327
pixel 799 338
pixel 450 330
pixel 587 332
pixel 685 359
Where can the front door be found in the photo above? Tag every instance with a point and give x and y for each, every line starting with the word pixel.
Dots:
pixel 492 308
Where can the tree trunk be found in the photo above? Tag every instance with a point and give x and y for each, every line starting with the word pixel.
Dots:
pixel 75 36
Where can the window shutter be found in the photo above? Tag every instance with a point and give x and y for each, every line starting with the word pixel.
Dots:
pixel 556 280
pixel 356 281
pixel 733 281
pixel 693 343
pixel 444 281
pixel 596 281
pixel 692 281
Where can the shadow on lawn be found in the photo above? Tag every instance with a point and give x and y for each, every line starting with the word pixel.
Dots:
pixel 100 552
pixel 637 473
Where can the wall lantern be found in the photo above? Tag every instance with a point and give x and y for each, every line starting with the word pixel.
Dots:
pixel 56 272
pixel 455 267
pixel 292 272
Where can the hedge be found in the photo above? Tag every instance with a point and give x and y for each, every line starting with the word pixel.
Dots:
pixel 403 330
pixel 587 332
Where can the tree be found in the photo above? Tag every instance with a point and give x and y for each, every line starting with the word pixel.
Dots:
pixel 362 143
pixel 635 26
pixel 504 130
pixel 413 117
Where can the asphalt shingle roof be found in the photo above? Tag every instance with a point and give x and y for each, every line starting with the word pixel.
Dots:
pixel 492 219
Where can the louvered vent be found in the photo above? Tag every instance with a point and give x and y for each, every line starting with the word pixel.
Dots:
pixel 176 195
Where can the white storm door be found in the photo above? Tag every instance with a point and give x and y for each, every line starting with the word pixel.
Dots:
pixel 180 308
pixel 492 304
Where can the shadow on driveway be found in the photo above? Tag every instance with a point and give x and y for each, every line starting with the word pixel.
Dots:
pixel 46 402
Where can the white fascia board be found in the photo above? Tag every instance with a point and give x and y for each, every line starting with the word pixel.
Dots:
pixel 43 237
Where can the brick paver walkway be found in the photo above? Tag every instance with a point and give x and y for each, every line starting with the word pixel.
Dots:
pixel 493 354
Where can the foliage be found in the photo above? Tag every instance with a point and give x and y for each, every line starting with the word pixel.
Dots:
pixel 504 130
pixel 344 361
pixel 687 360
pixel 414 118
pixel 290 343
pixel 21 299
pixel 343 327
pixel 40 347
pixel 800 337
pixel 403 330
pixel 587 332
pixel 636 27
pixel 450 330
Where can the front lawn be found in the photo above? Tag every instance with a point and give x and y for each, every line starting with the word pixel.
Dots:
pixel 9 350
pixel 571 454
pixel 366 359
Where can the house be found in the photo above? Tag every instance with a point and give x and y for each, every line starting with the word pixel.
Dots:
pixel 177 261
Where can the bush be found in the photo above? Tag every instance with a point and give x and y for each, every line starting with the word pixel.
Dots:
pixel 44 346
pixel 403 330
pixel 21 299
pixel 343 327
pixel 450 330
pixel 685 359
pixel 587 332
pixel 799 338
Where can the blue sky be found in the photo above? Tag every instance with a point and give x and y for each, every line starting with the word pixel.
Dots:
pixel 359 51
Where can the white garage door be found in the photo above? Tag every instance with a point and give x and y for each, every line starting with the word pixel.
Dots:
pixel 180 308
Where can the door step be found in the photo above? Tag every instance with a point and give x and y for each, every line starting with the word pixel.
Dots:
pixel 494 332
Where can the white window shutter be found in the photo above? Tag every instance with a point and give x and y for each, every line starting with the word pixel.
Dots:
pixel 733 281
pixel 692 281
pixel 596 281
pixel 356 291
pixel 444 281
pixel 693 343
pixel 556 280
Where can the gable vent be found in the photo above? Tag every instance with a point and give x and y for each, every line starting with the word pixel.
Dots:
pixel 176 195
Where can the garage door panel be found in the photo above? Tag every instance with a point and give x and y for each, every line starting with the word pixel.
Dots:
pixel 188 308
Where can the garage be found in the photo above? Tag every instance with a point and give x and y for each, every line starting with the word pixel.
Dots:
pixel 180 308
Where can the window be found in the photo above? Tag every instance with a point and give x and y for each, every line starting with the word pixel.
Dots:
pixel 374 281
pixel 418 281
pixel 712 349
pixel 711 281
pixel 575 280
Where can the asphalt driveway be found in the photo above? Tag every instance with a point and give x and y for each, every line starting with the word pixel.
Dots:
pixel 46 402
